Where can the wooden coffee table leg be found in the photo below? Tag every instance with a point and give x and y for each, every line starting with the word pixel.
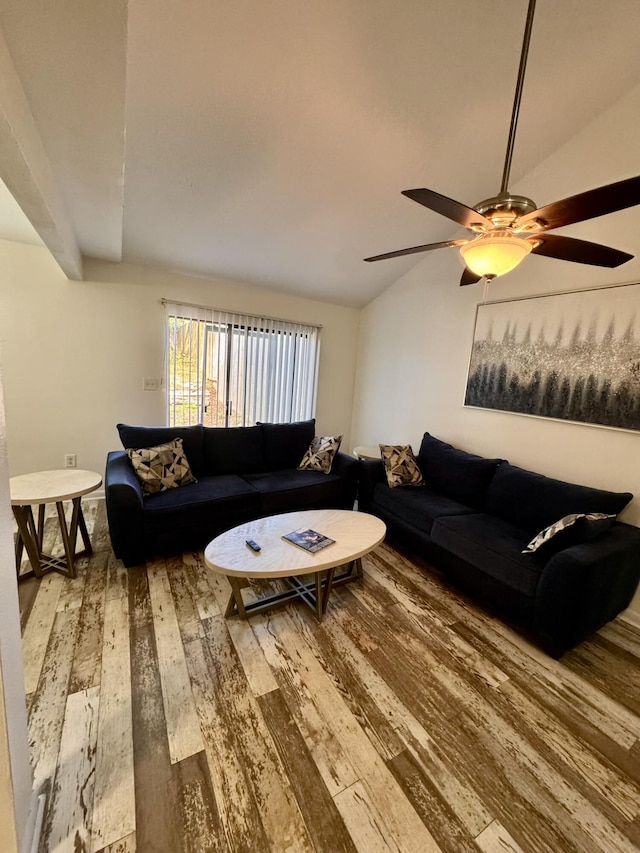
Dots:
pixel 328 584
pixel 352 572
pixel 319 596
pixel 236 604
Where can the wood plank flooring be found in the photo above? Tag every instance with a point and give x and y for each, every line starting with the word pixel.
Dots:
pixel 408 720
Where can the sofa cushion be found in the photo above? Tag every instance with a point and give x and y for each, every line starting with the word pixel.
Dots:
pixel 162 467
pixel 282 491
pixel 209 490
pixel 146 436
pixel 320 453
pixel 190 518
pixel 418 506
pixel 455 473
pixel 233 450
pixel 532 501
pixel 493 546
pixel 285 444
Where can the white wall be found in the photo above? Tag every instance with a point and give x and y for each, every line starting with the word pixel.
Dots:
pixel 75 353
pixel 16 798
pixel 415 339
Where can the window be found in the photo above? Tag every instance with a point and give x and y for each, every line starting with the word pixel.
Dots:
pixel 227 369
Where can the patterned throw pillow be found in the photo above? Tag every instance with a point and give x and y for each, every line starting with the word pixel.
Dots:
pixel 319 456
pixel 570 530
pixel 162 467
pixel 400 465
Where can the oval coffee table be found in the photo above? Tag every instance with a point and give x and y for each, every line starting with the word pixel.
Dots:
pixel 355 534
pixel 44 487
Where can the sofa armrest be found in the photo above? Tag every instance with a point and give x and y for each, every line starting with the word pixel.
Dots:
pixel 371 473
pixel 125 508
pixel 348 469
pixel 585 586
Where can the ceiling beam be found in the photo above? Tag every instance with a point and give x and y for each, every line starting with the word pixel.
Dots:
pixel 26 170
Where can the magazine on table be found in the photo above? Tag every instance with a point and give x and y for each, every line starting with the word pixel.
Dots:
pixel 308 539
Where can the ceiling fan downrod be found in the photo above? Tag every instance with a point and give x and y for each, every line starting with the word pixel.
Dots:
pixel 518 95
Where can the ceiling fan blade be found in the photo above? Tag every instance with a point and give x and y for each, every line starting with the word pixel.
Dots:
pixel 580 251
pixel 469 277
pixel 416 249
pixel 448 207
pixel 586 205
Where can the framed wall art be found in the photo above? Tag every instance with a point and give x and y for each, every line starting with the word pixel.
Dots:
pixel 570 356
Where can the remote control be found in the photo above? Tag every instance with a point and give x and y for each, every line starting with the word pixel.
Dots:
pixel 253 545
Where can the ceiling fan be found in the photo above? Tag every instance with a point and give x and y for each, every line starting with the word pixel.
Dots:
pixel 506 227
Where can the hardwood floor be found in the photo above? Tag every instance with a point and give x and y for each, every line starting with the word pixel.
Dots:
pixel 408 720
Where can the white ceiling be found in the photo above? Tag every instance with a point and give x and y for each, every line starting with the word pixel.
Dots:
pixel 269 142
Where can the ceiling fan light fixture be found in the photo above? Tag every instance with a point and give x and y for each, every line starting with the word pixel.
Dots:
pixel 495 254
pixel 506 227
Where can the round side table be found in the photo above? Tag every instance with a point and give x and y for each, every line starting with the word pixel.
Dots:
pixel 366 451
pixel 39 489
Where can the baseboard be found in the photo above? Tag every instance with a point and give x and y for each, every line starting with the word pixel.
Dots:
pixel 35 821
pixel 630 616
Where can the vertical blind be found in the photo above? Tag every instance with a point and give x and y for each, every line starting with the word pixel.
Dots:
pixel 227 369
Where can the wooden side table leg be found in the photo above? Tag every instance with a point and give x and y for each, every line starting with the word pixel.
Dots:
pixel 41 510
pixel 27 531
pixel 68 537
pixel 19 550
pixel 359 571
pixel 73 529
pixel 82 524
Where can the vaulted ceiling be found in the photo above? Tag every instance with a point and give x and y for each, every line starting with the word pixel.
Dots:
pixel 269 141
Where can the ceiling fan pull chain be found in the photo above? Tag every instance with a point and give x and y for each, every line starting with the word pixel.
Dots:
pixel 518 95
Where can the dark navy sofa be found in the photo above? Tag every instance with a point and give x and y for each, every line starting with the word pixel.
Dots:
pixel 474 517
pixel 243 473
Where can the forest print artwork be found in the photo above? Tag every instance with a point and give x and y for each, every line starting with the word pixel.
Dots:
pixel 572 356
